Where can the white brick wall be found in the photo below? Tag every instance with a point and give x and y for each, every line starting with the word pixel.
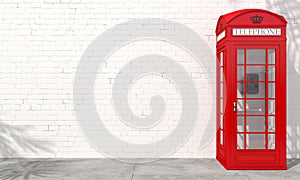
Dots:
pixel 41 43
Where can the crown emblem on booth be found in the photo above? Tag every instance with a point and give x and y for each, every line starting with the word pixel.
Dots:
pixel 256 19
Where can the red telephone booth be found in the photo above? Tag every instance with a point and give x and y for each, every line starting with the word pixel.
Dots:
pixel 251 90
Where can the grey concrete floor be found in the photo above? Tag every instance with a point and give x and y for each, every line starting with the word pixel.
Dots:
pixel 179 169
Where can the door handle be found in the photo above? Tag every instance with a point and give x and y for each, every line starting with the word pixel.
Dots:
pixel 234 106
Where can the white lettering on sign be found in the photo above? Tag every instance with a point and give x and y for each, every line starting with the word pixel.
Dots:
pixel 256 31
pixel 221 36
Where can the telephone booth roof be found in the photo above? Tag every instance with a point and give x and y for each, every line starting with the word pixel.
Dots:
pixel 243 18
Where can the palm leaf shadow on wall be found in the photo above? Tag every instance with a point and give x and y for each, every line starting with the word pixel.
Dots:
pixel 12 139
pixel 290 10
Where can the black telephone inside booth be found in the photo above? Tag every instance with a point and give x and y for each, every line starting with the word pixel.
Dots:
pixel 252 87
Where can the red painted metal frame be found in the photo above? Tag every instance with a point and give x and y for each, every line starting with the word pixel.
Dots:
pixel 227 153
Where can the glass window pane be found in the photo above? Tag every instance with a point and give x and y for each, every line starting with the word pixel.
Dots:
pixel 256 90
pixel 271 90
pixel 240 141
pixel 224 92
pixel 240 124
pixel 271 141
pixel 271 73
pixel 221 59
pixel 271 105
pixel 255 141
pixel 240 73
pixel 256 73
pixel 221 121
pixel 221 90
pixel 271 56
pixel 240 106
pixel 240 56
pixel 271 123
pixel 255 107
pixel 221 105
pixel 221 74
pixel 240 90
pixel 255 124
pixel 256 56
pixel 221 137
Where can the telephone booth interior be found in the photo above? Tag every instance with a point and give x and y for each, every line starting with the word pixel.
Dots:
pixel 251 90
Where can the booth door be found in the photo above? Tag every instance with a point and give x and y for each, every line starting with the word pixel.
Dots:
pixel 254 107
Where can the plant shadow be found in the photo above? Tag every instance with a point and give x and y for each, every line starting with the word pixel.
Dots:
pixel 290 10
pixel 27 169
pixel 12 139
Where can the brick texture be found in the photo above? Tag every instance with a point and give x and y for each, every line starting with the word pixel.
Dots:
pixel 41 43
